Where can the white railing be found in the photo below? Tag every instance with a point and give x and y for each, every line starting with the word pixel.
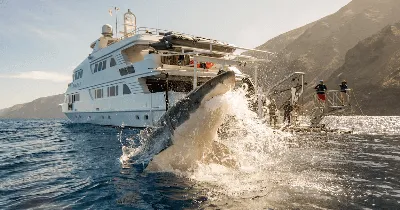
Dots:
pixel 333 99
pixel 158 31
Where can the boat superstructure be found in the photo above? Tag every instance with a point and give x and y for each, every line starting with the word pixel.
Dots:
pixel 132 80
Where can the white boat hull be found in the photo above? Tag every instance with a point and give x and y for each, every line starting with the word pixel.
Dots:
pixel 138 118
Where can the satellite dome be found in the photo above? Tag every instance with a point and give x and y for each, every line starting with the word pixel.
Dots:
pixel 106 30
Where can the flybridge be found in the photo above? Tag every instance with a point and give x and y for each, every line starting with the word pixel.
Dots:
pixel 178 43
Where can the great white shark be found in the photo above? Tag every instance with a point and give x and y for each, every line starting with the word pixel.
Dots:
pixel 187 132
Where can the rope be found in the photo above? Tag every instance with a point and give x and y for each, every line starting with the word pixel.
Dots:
pixel 354 95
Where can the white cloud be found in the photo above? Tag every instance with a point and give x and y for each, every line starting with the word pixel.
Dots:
pixel 39 75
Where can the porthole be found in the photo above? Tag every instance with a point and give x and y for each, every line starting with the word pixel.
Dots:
pixel 146 117
pixel 137 117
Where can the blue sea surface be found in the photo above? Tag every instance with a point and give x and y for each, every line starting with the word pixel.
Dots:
pixel 54 164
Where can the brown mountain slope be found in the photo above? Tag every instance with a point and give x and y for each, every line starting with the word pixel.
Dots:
pixel 319 48
pixel 372 68
pixel 41 108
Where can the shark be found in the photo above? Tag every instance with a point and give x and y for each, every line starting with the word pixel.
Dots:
pixel 188 132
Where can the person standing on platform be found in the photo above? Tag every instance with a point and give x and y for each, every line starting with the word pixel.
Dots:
pixel 343 92
pixel 321 89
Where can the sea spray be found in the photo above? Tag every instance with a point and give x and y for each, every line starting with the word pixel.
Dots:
pixel 270 162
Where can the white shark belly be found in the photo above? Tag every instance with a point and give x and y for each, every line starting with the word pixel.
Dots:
pixel 194 141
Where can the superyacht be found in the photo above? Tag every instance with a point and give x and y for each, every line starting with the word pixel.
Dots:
pixel 132 80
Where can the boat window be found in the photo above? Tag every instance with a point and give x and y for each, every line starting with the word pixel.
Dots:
pixel 95 68
pixel 77 75
pixel 116 90
pixel 99 93
pixel 127 70
pixel 112 62
pixel 125 89
pixel 100 66
pixel 111 91
pixel 104 64
pixel 75 97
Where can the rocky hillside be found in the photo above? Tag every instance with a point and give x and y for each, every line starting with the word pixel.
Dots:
pixel 372 68
pixel 41 108
pixel 319 48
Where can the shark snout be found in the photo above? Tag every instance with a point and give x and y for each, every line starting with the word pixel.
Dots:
pixel 229 79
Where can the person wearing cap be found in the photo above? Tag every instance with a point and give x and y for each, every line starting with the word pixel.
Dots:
pixel 343 91
pixel 321 88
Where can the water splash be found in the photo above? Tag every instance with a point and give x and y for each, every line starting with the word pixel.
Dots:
pixel 270 163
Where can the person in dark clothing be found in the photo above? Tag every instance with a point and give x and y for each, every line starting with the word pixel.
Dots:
pixel 343 91
pixel 321 88
pixel 272 112
pixel 287 108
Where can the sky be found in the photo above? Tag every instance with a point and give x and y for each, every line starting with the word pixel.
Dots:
pixel 42 41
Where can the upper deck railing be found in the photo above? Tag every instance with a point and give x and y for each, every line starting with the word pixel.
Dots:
pixel 157 31
pixel 334 99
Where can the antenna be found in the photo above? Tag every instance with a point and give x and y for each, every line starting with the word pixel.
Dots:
pixel 116 22
pixel 116 9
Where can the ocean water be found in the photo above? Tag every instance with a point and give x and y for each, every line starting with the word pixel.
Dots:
pixel 53 164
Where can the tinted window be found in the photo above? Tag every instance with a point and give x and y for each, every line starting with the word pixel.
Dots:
pixel 99 93
pixel 125 89
pixel 111 91
pixel 80 73
pixel 116 90
pixel 127 70
pixel 131 70
pixel 104 64
pixel 100 66
pixel 112 62
pixel 95 68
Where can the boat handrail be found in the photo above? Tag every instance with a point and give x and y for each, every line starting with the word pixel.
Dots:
pixel 332 91
pixel 157 31
pixel 334 99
